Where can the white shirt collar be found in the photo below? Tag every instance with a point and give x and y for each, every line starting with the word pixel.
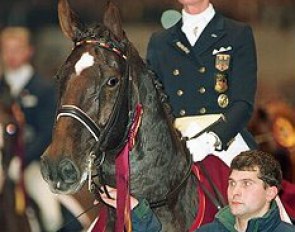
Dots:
pixel 17 79
pixel 194 24
pixel 197 19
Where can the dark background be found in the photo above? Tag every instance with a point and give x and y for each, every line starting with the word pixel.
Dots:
pixel 272 21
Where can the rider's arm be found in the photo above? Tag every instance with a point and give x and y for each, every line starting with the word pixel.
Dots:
pixel 143 218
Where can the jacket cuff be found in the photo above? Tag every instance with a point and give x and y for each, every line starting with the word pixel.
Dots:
pixel 142 210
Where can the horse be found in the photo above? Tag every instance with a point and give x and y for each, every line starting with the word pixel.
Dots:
pixel 273 125
pixel 13 215
pixel 109 99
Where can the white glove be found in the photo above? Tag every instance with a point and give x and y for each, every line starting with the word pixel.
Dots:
pixel 14 170
pixel 203 145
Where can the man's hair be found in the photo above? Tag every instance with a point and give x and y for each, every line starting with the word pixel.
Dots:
pixel 17 32
pixel 269 169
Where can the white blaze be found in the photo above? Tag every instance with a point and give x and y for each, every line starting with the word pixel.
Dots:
pixel 85 61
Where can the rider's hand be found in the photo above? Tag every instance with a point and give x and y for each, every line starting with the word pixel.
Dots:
pixel 113 201
pixel 202 146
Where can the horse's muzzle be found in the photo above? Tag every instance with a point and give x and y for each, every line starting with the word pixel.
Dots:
pixel 62 175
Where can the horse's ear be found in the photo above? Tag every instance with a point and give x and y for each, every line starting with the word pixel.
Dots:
pixel 68 20
pixel 112 20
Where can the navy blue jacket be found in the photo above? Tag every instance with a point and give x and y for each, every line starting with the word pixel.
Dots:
pixel 217 75
pixel 144 220
pixel 38 103
pixel 271 222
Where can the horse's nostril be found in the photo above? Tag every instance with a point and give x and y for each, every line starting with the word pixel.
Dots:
pixel 68 171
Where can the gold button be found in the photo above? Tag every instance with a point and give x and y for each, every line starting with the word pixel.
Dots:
pixel 176 72
pixel 202 110
pixel 182 112
pixel 202 70
pixel 202 90
pixel 180 92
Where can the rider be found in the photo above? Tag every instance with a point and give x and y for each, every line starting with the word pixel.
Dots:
pixel 204 62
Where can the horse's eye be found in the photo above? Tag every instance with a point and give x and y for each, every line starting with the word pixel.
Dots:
pixel 112 81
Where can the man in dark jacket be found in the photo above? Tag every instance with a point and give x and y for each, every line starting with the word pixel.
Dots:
pixel 254 182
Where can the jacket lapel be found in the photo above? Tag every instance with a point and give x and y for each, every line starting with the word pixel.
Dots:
pixel 179 42
pixel 211 34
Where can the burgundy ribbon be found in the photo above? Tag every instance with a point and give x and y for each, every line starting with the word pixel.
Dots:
pixel 123 219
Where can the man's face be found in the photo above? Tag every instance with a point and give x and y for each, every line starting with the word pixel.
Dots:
pixel 15 52
pixel 247 195
pixel 194 6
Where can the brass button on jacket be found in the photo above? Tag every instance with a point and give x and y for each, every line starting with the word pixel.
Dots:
pixel 176 72
pixel 203 110
pixel 202 90
pixel 202 70
pixel 180 92
pixel 182 112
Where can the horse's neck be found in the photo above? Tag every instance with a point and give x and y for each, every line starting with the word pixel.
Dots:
pixel 159 150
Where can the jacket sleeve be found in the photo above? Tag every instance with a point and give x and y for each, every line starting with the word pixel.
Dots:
pixel 244 84
pixel 144 219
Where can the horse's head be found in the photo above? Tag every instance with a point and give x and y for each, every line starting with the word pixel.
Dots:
pixel 94 89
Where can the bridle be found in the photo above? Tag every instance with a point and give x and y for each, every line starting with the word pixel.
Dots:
pixel 101 135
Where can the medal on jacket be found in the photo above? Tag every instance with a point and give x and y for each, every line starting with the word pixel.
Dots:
pixel 222 62
pixel 223 100
pixel 221 83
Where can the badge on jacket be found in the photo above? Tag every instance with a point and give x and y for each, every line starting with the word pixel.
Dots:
pixel 221 83
pixel 222 62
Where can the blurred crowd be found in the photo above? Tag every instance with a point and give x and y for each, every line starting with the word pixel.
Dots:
pixel 35 14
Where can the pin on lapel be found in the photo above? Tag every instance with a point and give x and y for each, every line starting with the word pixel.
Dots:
pixel 222 49
pixel 182 47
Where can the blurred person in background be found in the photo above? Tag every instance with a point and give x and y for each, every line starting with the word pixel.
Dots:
pixel 37 98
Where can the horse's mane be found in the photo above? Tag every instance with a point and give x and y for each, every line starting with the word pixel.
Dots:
pixel 162 96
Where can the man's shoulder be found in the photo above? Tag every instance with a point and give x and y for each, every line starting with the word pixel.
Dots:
pixel 230 23
pixel 286 227
pixel 41 87
pixel 164 34
pixel 212 227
